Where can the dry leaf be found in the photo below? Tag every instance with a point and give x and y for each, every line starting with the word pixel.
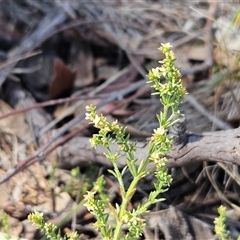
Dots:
pixel 62 81
pixel 13 124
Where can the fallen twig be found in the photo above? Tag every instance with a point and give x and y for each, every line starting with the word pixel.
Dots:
pixel 30 42
pixel 49 103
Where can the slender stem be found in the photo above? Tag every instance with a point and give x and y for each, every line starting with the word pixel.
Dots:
pixel 123 208
pixel 119 221
pixel 165 112
pixel 120 180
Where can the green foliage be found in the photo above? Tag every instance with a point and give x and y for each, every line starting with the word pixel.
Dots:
pixel 6 226
pixel 220 226
pixel 49 229
pixel 97 202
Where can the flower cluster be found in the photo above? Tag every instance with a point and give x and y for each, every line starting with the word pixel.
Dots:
pixel 49 229
pixel 170 92
pixel 171 89
pixel 220 226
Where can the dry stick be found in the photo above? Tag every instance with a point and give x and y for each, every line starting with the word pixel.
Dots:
pixel 18 58
pixel 200 108
pixel 58 143
pixel 44 30
pixel 67 8
pixel 49 103
pixel 40 153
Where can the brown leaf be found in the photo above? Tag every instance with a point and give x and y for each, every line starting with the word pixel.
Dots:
pixel 16 126
pixel 63 79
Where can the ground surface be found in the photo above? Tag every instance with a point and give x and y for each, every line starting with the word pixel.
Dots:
pixel 58 57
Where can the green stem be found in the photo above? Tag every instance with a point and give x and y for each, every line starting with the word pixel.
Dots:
pixel 123 208
pixel 119 177
pixel 165 112
pixel 119 221
pixel 125 200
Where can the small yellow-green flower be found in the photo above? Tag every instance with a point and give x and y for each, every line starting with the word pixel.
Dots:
pixel 158 132
pixel 93 141
pixel 165 47
pixel 89 198
pixel 96 121
pixel 154 156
